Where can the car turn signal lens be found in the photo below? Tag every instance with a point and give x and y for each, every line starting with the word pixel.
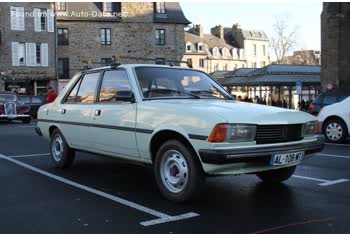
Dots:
pixel 318 127
pixel 219 134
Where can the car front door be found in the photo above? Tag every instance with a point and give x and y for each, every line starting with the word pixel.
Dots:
pixel 114 116
pixel 76 110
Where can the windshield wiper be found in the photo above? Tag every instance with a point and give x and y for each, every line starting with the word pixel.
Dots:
pixel 176 91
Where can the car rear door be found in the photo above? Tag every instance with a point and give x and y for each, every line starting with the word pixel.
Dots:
pixel 114 116
pixel 76 109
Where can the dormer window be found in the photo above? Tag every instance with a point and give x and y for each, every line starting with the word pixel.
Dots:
pixel 107 7
pixel 224 52
pixel 61 6
pixel 234 53
pixel 200 47
pixel 160 7
pixel 188 47
pixel 215 52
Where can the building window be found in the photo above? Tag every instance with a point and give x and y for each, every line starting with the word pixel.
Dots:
pixel 264 50
pixel 17 18
pixel 63 68
pixel 236 66
pixel 253 64
pixel 43 15
pixel 38 53
pixel 61 6
pixel 188 47
pixel 160 36
pixel 263 64
pixel 200 47
pixel 62 36
pixel 105 36
pixel 106 61
pixel 22 54
pixel 254 46
pixel 216 67
pixel 226 67
pixel 107 7
pixel 160 7
pixel 201 62
pixel 215 52
pixel 160 61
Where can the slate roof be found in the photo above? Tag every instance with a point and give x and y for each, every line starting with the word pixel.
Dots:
pixel 273 74
pixel 173 14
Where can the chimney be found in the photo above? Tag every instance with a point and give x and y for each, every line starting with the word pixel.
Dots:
pixel 236 26
pixel 218 31
pixel 197 29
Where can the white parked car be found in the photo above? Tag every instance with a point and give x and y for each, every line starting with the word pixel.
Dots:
pixel 178 120
pixel 335 120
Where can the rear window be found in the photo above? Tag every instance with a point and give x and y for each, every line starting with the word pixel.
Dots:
pixel 342 98
pixel 318 99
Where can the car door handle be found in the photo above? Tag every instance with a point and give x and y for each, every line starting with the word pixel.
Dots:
pixel 97 112
pixel 63 111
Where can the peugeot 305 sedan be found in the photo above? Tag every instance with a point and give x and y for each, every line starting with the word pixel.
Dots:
pixel 178 120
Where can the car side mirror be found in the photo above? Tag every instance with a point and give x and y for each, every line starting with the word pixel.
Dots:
pixel 125 96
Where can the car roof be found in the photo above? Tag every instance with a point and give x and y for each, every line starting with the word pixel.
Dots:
pixel 12 93
pixel 129 66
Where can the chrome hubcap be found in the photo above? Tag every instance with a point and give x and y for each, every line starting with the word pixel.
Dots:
pixel 334 131
pixel 174 171
pixel 57 148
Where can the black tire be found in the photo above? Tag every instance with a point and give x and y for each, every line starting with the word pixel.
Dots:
pixel 67 157
pixel 276 175
pixel 340 123
pixel 26 120
pixel 195 176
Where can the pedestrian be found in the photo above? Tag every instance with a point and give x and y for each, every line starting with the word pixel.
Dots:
pixel 302 105
pixel 285 105
pixel 273 103
pixel 51 95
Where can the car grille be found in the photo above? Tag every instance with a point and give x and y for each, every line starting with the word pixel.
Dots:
pixel 278 133
pixel 10 108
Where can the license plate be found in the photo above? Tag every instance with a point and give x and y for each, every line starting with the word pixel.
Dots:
pixel 287 158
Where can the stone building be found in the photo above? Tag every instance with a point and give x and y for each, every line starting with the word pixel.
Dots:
pixel 102 30
pixel 335 46
pixel 225 49
pixel 304 57
pixel 27 46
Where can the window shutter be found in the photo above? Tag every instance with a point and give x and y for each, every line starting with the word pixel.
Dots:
pixel 13 13
pixel 15 60
pixel 50 20
pixel 44 55
pixel 20 18
pixel 37 26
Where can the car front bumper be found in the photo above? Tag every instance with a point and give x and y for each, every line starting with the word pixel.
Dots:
pixel 258 154
pixel 13 117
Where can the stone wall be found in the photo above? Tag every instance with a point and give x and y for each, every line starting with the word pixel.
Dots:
pixel 335 46
pixel 29 35
pixel 132 36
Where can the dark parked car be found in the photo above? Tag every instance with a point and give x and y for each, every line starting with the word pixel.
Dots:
pixel 325 99
pixel 11 109
pixel 35 102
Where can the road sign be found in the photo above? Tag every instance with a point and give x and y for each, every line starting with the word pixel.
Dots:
pixel 299 86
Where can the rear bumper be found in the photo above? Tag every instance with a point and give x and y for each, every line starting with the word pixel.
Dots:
pixel 258 154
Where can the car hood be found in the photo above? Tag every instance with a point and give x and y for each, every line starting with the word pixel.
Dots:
pixel 237 112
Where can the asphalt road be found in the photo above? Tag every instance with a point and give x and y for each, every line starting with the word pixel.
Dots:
pixel 103 195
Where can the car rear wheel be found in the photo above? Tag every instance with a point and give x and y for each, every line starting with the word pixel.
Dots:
pixel 178 173
pixel 62 155
pixel 276 175
pixel 335 130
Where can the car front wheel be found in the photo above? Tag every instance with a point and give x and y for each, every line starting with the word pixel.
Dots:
pixel 276 175
pixel 335 130
pixel 62 155
pixel 178 172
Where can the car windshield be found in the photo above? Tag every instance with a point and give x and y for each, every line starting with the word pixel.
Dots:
pixel 23 99
pixel 7 97
pixel 159 82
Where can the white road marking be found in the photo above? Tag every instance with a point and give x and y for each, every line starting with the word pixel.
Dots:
pixel 331 155
pixel 323 181
pixel 30 155
pixel 162 217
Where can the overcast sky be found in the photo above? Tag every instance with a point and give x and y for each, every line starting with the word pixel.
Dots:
pixel 260 16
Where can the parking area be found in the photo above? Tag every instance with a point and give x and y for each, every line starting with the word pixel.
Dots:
pixel 103 195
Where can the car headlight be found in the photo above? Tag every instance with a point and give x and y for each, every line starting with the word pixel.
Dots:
pixel 232 133
pixel 311 128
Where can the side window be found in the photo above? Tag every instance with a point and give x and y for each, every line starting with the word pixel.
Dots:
pixel 114 84
pixel 87 89
pixel 72 95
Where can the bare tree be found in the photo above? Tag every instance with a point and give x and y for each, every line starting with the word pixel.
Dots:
pixel 284 38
